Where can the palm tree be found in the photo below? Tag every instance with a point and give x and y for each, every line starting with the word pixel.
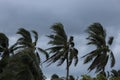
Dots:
pixel 25 41
pixel 102 53
pixel 5 50
pixel 62 48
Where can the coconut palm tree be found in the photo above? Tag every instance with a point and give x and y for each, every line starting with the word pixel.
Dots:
pixel 102 53
pixel 62 48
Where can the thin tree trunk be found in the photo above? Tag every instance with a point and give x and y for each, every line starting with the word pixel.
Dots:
pixel 104 73
pixel 67 74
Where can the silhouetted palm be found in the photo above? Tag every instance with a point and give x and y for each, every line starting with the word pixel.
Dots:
pixel 62 48
pixel 5 50
pixel 102 53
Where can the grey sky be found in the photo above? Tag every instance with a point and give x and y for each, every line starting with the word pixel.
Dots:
pixel 76 16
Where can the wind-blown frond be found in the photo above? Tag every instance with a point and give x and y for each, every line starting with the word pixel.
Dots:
pixel 44 52
pixel 54 49
pixel 25 34
pixel 59 30
pixel 110 41
pixel 35 36
pixel 112 59
pixel 3 41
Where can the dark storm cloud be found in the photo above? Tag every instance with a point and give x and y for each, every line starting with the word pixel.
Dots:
pixel 75 15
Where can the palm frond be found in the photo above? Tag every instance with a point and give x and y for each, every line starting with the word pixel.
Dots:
pixel 38 57
pixel 4 43
pixel 54 49
pixel 112 59
pixel 75 52
pixel 44 52
pixel 76 60
pixel 95 62
pixel 61 61
pixel 56 42
pixel 92 54
pixel 58 29
pixel 97 29
pixel 71 56
pixel 25 34
pixel 35 36
pixel 110 41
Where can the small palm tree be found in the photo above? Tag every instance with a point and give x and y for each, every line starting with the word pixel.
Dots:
pixel 102 53
pixel 62 48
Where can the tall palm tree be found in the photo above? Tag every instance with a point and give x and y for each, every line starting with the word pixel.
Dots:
pixel 62 48
pixel 5 50
pixel 102 53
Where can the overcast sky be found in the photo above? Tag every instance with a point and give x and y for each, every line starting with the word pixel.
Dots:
pixel 76 16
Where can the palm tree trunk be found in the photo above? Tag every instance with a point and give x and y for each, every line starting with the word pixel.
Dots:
pixel 67 74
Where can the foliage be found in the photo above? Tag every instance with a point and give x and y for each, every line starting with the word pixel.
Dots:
pixel 23 66
pixel 21 61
